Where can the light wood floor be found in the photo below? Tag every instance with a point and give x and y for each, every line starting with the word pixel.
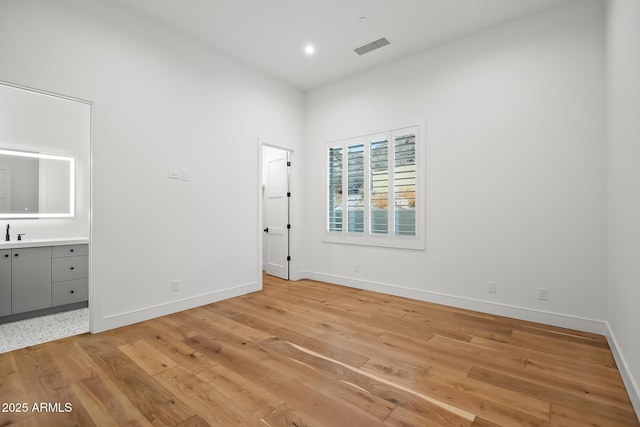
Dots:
pixel 312 354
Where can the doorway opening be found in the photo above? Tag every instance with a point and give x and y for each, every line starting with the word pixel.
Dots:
pixel 46 196
pixel 276 211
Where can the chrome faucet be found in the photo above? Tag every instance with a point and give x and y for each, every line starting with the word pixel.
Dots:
pixel 7 237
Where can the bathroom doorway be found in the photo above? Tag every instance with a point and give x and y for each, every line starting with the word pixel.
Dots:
pixel 45 153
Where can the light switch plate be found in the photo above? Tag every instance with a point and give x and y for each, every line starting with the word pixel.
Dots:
pixel 185 175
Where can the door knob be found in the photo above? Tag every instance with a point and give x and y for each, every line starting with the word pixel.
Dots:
pixel 266 230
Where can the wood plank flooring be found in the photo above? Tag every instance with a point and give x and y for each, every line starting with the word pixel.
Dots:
pixel 312 354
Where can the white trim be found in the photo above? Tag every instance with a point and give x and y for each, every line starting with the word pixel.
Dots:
pixel 140 315
pixel 522 313
pixel 633 389
pixel 260 208
pixel 45 92
pixel 92 300
pixel 292 219
pixel 398 242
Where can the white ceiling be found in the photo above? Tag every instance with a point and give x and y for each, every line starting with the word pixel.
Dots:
pixel 271 34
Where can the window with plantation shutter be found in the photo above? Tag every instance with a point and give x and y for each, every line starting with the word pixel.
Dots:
pixel 355 183
pixel 404 184
pixel 335 189
pixel 379 185
pixel 379 175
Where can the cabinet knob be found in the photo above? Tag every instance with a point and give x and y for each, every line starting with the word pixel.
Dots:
pixel 70 250
pixel 6 255
pixel 15 254
pixel 72 292
pixel 72 268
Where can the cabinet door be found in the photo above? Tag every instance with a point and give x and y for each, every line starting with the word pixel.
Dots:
pixel 5 282
pixel 30 279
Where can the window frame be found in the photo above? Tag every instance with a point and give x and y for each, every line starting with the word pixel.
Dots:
pixel 367 237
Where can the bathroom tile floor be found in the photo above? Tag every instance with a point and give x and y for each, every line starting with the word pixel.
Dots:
pixel 28 332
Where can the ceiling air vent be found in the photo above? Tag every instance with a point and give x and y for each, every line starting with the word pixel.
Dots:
pixel 371 46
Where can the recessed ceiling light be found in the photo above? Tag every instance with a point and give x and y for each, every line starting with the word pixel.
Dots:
pixel 309 49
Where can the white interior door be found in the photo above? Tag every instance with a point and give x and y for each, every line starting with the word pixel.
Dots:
pixel 276 214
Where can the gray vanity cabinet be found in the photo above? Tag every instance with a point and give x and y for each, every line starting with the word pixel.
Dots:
pixel 43 280
pixel 5 282
pixel 30 279
pixel 69 274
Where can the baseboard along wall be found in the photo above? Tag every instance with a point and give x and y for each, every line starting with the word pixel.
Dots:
pixel 555 319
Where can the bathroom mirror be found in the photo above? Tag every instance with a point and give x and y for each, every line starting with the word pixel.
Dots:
pixel 36 185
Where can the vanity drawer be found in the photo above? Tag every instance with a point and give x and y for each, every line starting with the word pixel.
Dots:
pixel 69 268
pixel 69 250
pixel 69 292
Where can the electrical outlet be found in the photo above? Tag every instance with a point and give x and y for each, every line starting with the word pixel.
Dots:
pixel 492 287
pixel 173 174
pixel 542 294
pixel 185 176
pixel 175 285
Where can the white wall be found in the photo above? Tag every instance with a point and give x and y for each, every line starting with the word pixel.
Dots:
pixel 162 101
pixel 623 173
pixel 515 173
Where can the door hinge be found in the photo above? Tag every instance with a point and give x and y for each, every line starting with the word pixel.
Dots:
pixel 288 163
pixel 288 258
pixel 288 226
pixel 288 194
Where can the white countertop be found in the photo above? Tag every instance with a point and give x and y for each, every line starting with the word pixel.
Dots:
pixel 32 243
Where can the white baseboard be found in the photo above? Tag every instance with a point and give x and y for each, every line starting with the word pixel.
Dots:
pixel 128 318
pixel 629 381
pixel 522 313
